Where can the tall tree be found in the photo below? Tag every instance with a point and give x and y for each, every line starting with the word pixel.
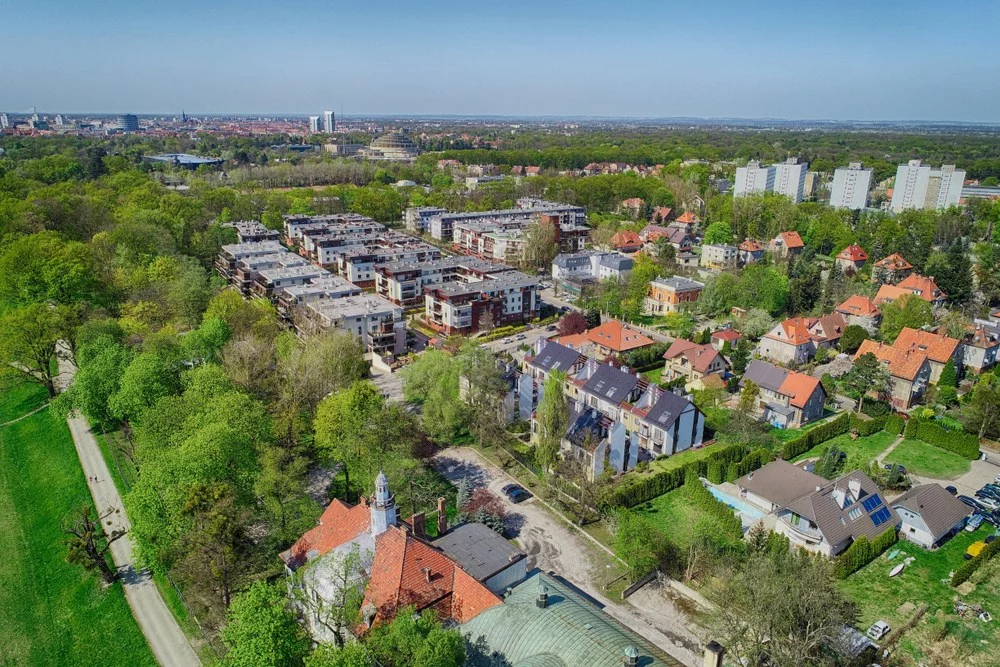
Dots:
pixel 28 344
pixel 572 323
pixel 553 420
pixel 88 544
pixel 867 376
pixel 907 311
pixel 485 393
pixel 262 630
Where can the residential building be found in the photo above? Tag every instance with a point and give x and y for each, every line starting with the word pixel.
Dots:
pixel 677 235
pixel 326 288
pixel 788 399
pixel 909 372
pixel 723 336
pixel 496 300
pixel 417 218
pixel 403 283
pixel 789 178
pixel 528 210
pixel 851 259
pixel 545 622
pixel 921 286
pixel 231 254
pixel 484 555
pixel 891 270
pixel 689 220
pixel 359 264
pixel 785 244
pixel 626 241
pixel 692 362
pixel 929 515
pixel 795 340
pixel 615 267
pixel 850 188
pixel 753 178
pixel 751 252
pixel 614 338
pixel 377 323
pixel 861 311
pixel 632 207
pixel 329 122
pixel 920 186
pixel 662 214
pixel 719 257
pixel 777 485
pixel 343 149
pixel 980 346
pixel 266 282
pixel 252 231
pixel 939 349
pixel 314 126
pixel 667 295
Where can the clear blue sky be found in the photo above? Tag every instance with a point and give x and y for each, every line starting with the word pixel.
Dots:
pixel 849 59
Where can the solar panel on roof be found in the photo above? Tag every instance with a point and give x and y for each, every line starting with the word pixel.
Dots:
pixel 881 516
pixel 871 502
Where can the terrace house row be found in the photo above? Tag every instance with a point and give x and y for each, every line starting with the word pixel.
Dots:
pixel 441 224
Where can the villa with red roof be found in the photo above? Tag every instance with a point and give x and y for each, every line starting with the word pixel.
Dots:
pixel 626 241
pixel 615 338
pixel 785 244
pixel 861 311
pixel 723 336
pixel 909 371
pixel 787 399
pixel 890 270
pixel 796 339
pixel 691 361
pixel 916 284
pixel 751 252
pixel 851 259
pixel 688 218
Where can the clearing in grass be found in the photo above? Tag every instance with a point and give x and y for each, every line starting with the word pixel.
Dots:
pixel 52 612
pixel 921 458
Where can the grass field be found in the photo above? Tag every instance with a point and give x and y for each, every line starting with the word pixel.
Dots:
pixel 677 460
pixel 927 460
pixel 869 446
pixel 786 434
pixel 51 612
pixel 678 516
pixel 880 598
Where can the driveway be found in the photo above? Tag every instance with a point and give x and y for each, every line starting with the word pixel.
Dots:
pixel 512 344
pixel 551 545
pixel 980 473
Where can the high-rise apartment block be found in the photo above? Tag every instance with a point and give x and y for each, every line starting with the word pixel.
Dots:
pixel 314 126
pixel 790 178
pixel 4 121
pixel 329 122
pixel 850 187
pixel 753 178
pixel 921 186
pixel 128 123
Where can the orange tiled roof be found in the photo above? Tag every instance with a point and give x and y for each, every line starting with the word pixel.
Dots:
pixel 573 340
pixel 860 306
pixel 699 356
pixel 663 211
pixel 751 246
pixel 687 217
pixel 937 347
pixel 923 287
pixel 617 336
pixel 901 363
pixel 894 262
pixel 889 293
pixel 799 387
pixel 407 571
pixel 853 253
pixel 791 240
pixel 727 334
pixel 339 524
pixel 796 330
pixel 626 239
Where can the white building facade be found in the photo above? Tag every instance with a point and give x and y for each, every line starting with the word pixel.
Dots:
pixel 790 178
pixel 850 187
pixel 753 178
pixel 920 186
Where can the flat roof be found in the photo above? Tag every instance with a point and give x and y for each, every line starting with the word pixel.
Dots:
pixel 183 158
pixel 479 550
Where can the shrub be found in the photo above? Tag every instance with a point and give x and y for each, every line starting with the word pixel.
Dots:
pixel 862 552
pixel 874 408
pixel 958 442
pixel 869 426
pixel 894 424
pixel 809 439
pixel 730 524
pixel 966 569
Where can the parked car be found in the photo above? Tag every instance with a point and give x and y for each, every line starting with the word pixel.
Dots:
pixel 971 502
pixel 891 466
pixel 990 539
pixel 992 518
pixel 878 630
pixel 520 337
pixel 973 523
pixel 551 327
pixel 952 490
pixel 516 493
pixel 507 341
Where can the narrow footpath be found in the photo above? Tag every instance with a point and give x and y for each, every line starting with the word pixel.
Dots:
pixel 165 637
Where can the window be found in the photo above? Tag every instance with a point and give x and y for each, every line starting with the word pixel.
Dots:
pixel 854 514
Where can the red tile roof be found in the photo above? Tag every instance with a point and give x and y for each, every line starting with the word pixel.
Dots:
pixel 923 287
pixel 626 239
pixel 799 387
pixel 751 246
pixel 617 337
pixel 791 239
pixel 937 347
pixel 853 253
pixel 339 524
pixel 407 571
pixel 688 217
pixel 901 363
pixel 663 211
pixel 699 356
pixel 894 262
pixel 859 306
pixel 728 334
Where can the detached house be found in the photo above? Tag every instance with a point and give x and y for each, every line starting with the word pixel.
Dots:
pixel 751 252
pixel 626 241
pixel 785 244
pixel 692 362
pixel 938 348
pixel 980 346
pixel 667 295
pixel 796 339
pixel 891 270
pixel 723 336
pixel 615 338
pixel 787 399
pixel 929 515
pixel 851 259
pixel 916 284
pixel 909 372
pixel 861 311
pixel 719 257
pixel 676 235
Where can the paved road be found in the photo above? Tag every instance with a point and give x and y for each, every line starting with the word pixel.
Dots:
pixel 165 637
pixel 551 545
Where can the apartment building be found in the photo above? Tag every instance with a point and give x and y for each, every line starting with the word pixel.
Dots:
pixel 591 265
pixel 921 186
pixel 376 322
pixel 528 210
pixel 790 178
pixel 850 188
pixel 754 179
pixel 252 231
pixel 418 218
pixel 358 265
pixel 345 223
pixel 267 282
pixel 496 300
pixel 403 283
pixel 719 257
pixel 667 295
pixel 230 254
pixel 248 268
pixel 324 288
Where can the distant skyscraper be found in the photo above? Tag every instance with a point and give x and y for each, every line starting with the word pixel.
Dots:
pixel 850 187
pixel 314 124
pixel 4 121
pixel 329 122
pixel 128 123
pixel 922 187
pixel 790 178
pixel 753 178
pixel 59 120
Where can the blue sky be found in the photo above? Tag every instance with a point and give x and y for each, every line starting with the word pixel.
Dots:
pixel 883 60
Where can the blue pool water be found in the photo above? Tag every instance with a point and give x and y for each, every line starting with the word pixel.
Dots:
pixel 741 507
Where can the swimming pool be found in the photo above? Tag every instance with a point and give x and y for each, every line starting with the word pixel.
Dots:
pixel 738 505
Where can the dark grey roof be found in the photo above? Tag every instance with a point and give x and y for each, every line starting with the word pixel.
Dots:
pixel 611 384
pixel 617 262
pixel 479 551
pixel 939 509
pixel 588 422
pixel 574 260
pixel 835 522
pixel 667 409
pixel 780 482
pixel 555 357
pixel 765 375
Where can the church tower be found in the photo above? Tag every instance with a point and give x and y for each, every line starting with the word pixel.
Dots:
pixel 383 507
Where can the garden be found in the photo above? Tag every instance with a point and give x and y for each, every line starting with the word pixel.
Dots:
pixel 926 460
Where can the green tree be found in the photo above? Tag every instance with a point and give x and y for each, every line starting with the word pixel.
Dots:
pixel 87 543
pixel 485 393
pixel 908 310
pixel 852 338
pixel 644 271
pixel 262 630
pixel 416 641
pixel 949 375
pixel 99 377
pixel 718 233
pixel 145 380
pixel 741 356
pixel 749 396
pixel 867 376
pixel 641 545
pixel 540 246
pixel 981 412
pixel 346 425
pixel 433 381
pixel 553 420
pixel 29 336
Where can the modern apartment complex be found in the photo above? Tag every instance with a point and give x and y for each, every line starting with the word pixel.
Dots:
pixel 850 187
pixel 529 209
pixel 403 283
pixel 467 306
pixel 920 186
pixel 753 178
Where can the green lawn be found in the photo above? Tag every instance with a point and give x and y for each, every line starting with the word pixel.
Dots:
pixel 51 612
pixel 880 598
pixel 869 446
pixel 785 434
pixel 678 515
pixel 927 460
pixel 678 460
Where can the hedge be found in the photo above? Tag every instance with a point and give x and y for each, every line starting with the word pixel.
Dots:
pixel 866 427
pixel 861 552
pixel 730 523
pixel 836 426
pixel 874 408
pixel 966 569
pixel 963 444
pixel 894 424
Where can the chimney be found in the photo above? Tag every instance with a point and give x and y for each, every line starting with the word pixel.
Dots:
pixel 543 597
pixel 417 521
pixel 363 500
pixel 631 657
pixel 713 654
pixel 427 574
pixel 442 517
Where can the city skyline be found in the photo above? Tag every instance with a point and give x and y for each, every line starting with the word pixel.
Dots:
pixel 644 60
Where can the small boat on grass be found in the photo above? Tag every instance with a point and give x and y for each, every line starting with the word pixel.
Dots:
pixel 896 570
